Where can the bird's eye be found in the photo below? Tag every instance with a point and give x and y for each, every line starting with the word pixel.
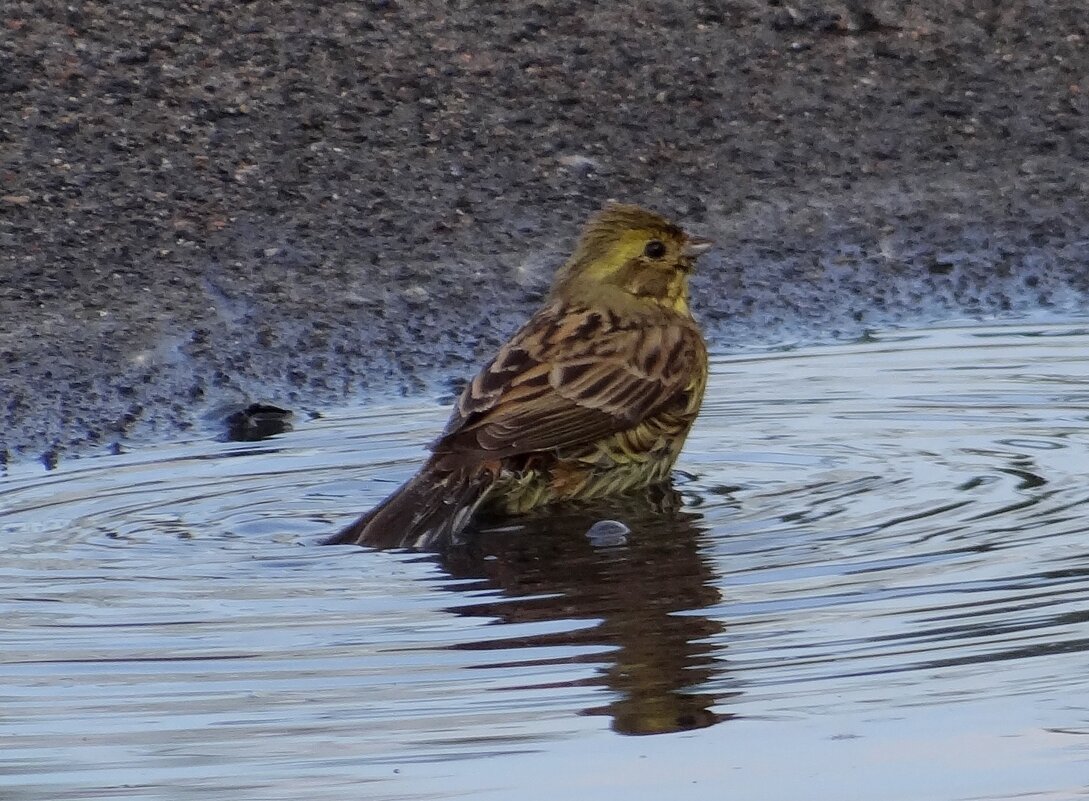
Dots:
pixel 655 249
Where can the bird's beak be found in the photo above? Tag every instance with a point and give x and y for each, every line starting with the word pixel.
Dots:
pixel 697 246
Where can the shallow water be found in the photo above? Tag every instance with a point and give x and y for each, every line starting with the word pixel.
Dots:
pixel 878 587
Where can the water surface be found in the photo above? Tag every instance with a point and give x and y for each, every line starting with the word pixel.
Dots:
pixel 876 587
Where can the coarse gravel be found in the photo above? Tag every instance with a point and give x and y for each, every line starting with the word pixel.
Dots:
pixel 206 204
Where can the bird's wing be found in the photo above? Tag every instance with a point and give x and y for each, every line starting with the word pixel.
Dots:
pixel 567 378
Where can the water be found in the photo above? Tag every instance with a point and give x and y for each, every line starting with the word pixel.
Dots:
pixel 878 587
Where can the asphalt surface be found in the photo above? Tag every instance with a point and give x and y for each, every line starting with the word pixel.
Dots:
pixel 208 204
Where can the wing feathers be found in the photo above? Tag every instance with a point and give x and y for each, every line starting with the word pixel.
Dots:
pixel 568 378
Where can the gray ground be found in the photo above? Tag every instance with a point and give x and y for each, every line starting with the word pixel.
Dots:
pixel 313 203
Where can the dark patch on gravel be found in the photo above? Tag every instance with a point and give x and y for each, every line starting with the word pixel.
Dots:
pixel 314 203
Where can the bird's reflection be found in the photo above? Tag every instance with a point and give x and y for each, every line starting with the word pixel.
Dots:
pixel 549 569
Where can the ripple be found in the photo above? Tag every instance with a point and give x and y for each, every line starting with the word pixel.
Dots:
pixel 881 542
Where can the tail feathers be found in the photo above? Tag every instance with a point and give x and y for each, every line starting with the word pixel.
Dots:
pixel 429 511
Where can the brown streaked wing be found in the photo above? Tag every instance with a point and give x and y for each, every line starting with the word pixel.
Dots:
pixel 545 391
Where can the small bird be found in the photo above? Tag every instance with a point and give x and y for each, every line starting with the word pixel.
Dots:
pixel 592 397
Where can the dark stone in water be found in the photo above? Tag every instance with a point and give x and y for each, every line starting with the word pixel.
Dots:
pixel 256 422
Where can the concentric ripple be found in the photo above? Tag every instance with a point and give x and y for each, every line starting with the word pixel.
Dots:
pixel 878 578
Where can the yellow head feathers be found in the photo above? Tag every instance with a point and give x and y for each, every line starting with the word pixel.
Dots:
pixel 629 250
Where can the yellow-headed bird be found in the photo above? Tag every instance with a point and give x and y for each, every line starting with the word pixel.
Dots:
pixel 592 397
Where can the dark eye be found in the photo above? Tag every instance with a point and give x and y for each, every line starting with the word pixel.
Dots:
pixel 655 249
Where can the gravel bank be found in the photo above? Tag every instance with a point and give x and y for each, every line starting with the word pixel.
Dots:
pixel 313 203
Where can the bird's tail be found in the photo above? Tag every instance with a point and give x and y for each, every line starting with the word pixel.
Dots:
pixel 429 511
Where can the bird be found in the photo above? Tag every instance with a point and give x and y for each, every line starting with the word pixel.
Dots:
pixel 592 397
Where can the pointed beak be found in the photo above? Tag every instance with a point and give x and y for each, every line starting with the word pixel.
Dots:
pixel 697 246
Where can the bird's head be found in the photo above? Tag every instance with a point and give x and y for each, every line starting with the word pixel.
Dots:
pixel 631 257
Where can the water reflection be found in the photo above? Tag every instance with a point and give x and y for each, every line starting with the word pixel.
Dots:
pixel 550 570
pixel 897 576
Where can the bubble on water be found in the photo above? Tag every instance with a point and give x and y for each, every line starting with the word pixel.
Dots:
pixel 608 534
